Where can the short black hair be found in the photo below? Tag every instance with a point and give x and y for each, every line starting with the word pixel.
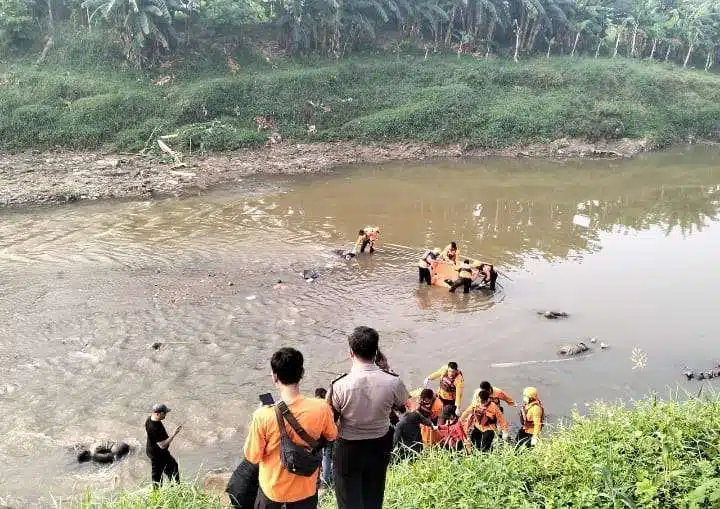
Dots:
pixel 364 343
pixel 448 413
pixel 484 396
pixel 453 245
pixel 485 386
pixel 287 364
pixel 466 261
pixel 361 232
pixel 320 392
pixel 427 394
pixel 452 365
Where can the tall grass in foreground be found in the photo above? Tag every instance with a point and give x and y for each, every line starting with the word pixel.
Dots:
pixel 654 454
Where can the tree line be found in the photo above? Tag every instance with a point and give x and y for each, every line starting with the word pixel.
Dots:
pixel 683 31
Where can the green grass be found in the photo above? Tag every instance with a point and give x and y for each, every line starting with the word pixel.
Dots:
pixel 653 454
pixel 370 99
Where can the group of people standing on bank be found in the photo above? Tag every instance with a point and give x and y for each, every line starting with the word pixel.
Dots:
pixel 344 436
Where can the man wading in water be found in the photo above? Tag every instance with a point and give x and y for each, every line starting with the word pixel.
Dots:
pixel 158 443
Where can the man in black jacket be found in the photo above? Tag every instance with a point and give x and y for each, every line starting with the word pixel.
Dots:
pixel 407 438
pixel 158 443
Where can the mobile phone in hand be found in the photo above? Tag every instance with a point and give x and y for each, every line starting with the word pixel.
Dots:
pixel 267 399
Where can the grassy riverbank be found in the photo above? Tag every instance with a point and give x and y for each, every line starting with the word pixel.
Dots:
pixel 439 100
pixel 655 454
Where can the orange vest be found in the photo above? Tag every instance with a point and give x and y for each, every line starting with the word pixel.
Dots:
pixel 447 384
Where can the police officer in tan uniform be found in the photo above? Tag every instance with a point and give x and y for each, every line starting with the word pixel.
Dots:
pixel 362 401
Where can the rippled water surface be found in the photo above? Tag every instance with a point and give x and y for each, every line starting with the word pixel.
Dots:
pixel 627 248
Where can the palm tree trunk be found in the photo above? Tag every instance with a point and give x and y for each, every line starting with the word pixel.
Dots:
pixel 451 26
pixel 687 57
pixel 617 44
pixel 517 41
pixel 709 60
pixel 634 40
pixel 652 52
pixel 577 38
pixel 597 50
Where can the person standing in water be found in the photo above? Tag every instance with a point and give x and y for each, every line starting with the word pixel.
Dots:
pixel 450 253
pixel 158 442
pixel 464 278
pixel 425 265
pixel 487 276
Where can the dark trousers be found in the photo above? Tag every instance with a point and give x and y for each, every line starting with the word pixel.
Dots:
pixel 482 439
pixel 365 244
pixel 425 276
pixel 164 464
pixel 465 282
pixel 263 502
pixel 523 439
pixel 447 402
pixel 359 469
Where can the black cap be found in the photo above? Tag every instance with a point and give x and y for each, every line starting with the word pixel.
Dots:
pixel 160 408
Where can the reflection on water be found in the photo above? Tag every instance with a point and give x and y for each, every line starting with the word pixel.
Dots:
pixel 626 247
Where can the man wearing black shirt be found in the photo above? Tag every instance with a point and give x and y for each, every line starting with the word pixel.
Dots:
pixel 407 437
pixel 158 442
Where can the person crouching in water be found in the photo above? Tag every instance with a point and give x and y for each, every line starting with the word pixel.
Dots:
pixel 450 429
pixel 450 253
pixel 532 414
pixel 487 276
pixel 464 278
pixel 425 265
pixel 485 415
pixel 362 242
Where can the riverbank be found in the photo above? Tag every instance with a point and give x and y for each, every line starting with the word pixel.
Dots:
pixel 87 125
pixel 651 454
pixel 62 177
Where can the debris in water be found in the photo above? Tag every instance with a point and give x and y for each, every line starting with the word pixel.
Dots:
pixel 603 345
pixel 156 345
pixel 310 275
pixel 251 297
pixel 638 357
pixel 593 339
pixel 573 349
pixel 230 283
pixel 553 315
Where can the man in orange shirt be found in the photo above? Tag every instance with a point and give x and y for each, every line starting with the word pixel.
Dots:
pixel 279 487
pixel 485 415
pixel 452 383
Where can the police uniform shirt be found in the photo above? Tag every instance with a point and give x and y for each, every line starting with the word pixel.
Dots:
pixel 364 399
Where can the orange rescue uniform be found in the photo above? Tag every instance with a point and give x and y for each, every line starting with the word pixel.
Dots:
pixel 262 447
pixel 496 396
pixel 451 389
pixel 532 416
pixel 429 435
pixel 485 417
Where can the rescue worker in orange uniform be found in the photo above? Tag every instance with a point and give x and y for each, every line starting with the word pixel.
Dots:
pixel 450 253
pixel 484 416
pixel 532 415
pixel 426 403
pixel 465 275
pixel 496 395
pixel 452 384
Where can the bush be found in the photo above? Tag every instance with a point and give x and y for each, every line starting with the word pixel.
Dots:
pixel 441 100
pixel 653 454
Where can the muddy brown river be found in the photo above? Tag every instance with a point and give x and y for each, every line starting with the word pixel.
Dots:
pixel 628 248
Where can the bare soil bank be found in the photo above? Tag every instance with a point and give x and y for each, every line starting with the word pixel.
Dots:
pixel 62 177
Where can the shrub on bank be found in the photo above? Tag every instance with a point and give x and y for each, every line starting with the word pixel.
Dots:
pixel 655 454
pixel 439 100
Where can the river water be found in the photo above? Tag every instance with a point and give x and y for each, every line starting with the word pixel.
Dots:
pixel 628 248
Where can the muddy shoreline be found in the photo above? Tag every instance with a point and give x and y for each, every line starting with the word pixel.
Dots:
pixel 37 178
